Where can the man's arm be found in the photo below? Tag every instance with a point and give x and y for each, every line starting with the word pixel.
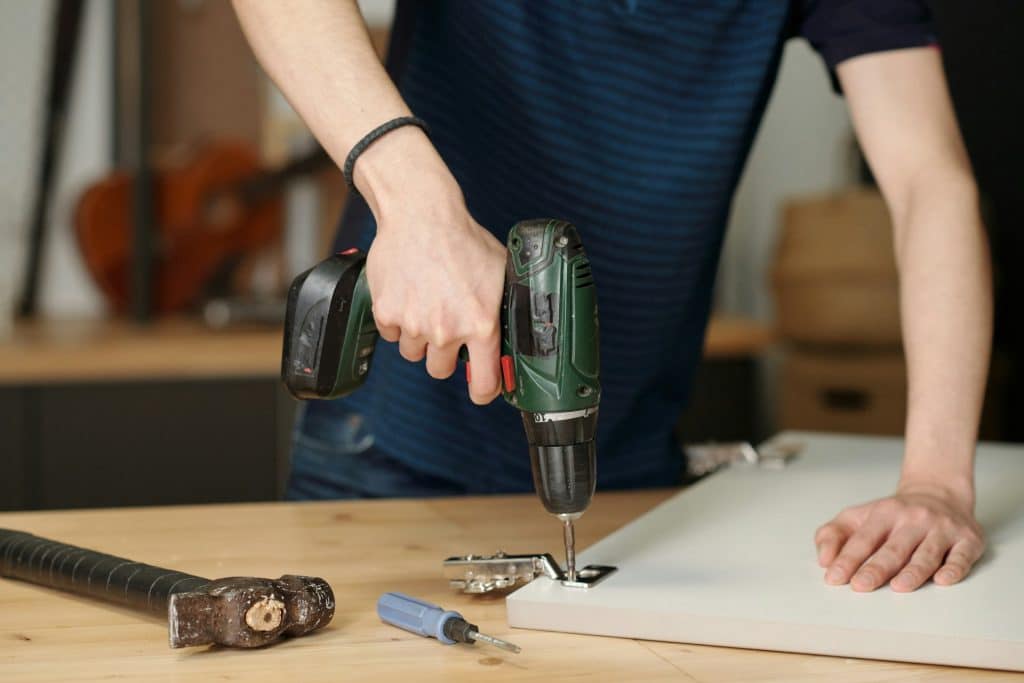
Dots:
pixel 904 120
pixel 435 275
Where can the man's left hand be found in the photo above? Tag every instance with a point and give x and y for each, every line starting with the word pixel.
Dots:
pixel 921 532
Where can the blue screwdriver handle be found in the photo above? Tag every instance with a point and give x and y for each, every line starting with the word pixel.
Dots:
pixel 416 616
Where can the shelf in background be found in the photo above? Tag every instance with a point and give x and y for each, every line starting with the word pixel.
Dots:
pixel 102 350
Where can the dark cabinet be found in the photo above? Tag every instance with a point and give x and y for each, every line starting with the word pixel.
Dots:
pixel 143 443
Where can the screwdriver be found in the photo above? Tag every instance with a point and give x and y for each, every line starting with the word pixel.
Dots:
pixel 426 619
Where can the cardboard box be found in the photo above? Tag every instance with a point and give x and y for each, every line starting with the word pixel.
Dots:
pixel 865 392
pixel 859 392
pixel 835 277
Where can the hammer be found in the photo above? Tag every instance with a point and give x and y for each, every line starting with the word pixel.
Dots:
pixel 236 612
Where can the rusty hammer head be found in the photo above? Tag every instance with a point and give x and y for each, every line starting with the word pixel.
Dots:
pixel 249 612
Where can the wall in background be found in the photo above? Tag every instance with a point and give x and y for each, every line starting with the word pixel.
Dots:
pixel 803 146
pixel 25 39
pixel 22 26
pixel 377 12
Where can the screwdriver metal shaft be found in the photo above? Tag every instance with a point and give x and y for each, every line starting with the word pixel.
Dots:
pixel 496 642
pixel 570 549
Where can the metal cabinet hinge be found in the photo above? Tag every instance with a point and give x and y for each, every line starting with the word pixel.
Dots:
pixel 488 573
pixel 705 458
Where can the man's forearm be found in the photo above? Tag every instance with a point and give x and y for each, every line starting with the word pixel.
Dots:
pixel 905 122
pixel 926 529
pixel 946 303
pixel 320 55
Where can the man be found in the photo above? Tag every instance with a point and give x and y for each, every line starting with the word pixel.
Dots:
pixel 632 119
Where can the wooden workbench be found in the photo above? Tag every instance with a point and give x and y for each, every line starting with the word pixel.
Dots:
pixel 363 548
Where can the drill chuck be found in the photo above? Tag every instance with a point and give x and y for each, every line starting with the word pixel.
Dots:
pixel 564 476
pixel 563 458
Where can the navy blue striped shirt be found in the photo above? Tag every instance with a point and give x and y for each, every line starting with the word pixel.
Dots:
pixel 630 118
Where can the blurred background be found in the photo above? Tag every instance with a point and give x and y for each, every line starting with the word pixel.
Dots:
pixel 140 310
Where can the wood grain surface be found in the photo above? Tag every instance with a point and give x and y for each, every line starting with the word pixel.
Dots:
pixel 363 548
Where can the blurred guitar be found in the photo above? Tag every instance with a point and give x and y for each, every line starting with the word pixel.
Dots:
pixel 209 213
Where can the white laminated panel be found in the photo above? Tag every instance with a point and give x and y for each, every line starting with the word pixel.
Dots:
pixel 731 561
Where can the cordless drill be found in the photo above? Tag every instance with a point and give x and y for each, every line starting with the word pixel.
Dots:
pixel 549 361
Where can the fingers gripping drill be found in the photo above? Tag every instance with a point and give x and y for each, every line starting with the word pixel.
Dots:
pixel 549 358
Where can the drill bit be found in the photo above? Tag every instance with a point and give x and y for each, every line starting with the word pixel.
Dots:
pixel 496 642
pixel 570 548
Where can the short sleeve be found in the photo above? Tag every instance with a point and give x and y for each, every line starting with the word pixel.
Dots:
pixel 842 29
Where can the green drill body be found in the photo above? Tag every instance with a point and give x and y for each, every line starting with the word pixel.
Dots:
pixel 550 363
pixel 549 319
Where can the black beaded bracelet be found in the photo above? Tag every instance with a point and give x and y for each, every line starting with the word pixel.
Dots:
pixel 371 137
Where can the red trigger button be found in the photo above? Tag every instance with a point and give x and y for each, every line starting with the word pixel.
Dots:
pixel 348 252
pixel 508 373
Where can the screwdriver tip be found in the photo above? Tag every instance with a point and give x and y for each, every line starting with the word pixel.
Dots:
pixel 496 642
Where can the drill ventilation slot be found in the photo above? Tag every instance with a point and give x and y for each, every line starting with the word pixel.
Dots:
pixel 584 278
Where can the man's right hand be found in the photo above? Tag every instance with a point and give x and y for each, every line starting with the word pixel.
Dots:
pixel 435 275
